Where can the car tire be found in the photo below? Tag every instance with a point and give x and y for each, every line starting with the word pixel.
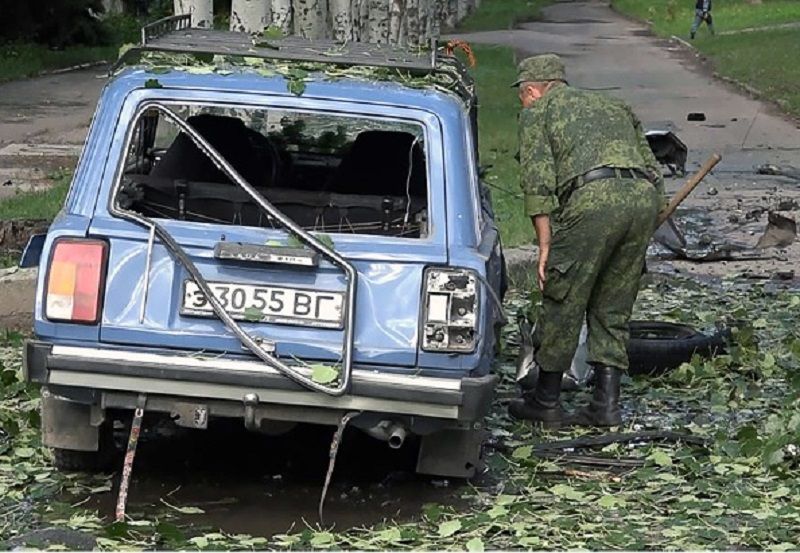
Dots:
pixel 656 347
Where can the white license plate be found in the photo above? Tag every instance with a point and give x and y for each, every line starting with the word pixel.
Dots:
pixel 268 304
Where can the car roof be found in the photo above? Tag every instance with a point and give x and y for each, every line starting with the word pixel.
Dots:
pixel 316 85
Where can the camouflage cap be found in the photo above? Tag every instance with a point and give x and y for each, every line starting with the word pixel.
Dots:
pixel 546 67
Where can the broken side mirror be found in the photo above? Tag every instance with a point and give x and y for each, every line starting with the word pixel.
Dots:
pixel 32 252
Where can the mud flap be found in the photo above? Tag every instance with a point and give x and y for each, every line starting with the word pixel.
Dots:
pixel 454 453
pixel 69 425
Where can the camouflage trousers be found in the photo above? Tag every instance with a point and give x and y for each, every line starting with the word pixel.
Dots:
pixel 596 259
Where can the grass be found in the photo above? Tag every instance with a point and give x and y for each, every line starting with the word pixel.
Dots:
pixel 674 17
pixel 498 111
pixel 501 14
pixel 22 60
pixel 42 204
pixel 765 60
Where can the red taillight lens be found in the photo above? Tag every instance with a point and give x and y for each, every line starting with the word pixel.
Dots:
pixel 75 280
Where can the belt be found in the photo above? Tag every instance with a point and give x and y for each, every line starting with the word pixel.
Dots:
pixel 608 173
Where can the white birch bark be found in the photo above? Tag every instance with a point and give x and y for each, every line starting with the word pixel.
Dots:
pixel 413 22
pixel 309 18
pixel 462 10
pixel 202 11
pixel 340 13
pixel 250 16
pixel 111 7
pixel 362 20
pixel 434 23
pixel 378 22
pixel 426 19
pixel 281 13
pixel 451 14
pixel 396 23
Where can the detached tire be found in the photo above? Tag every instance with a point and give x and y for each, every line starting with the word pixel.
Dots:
pixel 656 347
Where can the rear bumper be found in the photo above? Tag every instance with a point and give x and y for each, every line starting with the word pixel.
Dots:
pixel 113 378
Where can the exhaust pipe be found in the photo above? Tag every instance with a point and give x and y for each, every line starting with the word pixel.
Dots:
pixel 397 436
pixel 390 432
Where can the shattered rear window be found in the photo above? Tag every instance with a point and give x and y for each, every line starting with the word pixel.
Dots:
pixel 328 173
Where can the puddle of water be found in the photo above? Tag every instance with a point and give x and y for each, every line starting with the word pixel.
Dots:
pixel 258 485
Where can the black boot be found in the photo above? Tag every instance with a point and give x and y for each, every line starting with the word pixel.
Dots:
pixel 603 409
pixel 541 405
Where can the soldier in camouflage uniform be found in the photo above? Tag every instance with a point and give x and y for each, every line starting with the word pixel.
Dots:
pixel 587 169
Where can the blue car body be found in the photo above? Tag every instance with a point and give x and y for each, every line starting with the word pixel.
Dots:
pixel 69 358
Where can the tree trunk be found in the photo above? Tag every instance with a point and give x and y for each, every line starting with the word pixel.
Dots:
pixel 438 15
pixel 202 11
pixel 463 10
pixel 250 16
pixel 340 13
pixel 451 14
pixel 111 7
pixel 426 22
pixel 378 22
pixel 413 22
pixel 361 23
pixel 282 15
pixel 396 22
pixel 309 18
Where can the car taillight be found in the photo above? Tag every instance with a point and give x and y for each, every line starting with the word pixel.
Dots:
pixel 450 310
pixel 75 280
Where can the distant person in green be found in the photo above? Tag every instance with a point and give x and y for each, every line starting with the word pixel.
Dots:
pixel 593 189
pixel 702 12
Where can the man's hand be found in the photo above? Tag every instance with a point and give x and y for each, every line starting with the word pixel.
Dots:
pixel 542 270
pixel 542 225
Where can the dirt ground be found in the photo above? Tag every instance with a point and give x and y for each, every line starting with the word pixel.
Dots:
pixel 664 82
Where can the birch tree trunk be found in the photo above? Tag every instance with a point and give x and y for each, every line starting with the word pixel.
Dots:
pixel 309 18
pixel 361 24
pixel 451 13
pixel 463 10
pixel 378 21
pixel 281 13
pixel 202 11
pixel 250 16
pixel 396 22
pixel 426 19
pixel 413 22
pixel 340 13
pixel 434 22
pixel 111 7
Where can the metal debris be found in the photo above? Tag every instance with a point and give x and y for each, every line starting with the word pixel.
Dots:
pixel 769 169
pixel 335 443
pixel 130 454
pixel 781 231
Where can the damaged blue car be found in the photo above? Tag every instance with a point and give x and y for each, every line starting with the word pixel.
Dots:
pixel 284 233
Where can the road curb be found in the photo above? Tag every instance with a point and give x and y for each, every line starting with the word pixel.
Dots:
pixel 77 67
pixel 17 293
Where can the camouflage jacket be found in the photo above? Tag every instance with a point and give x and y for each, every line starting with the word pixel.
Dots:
pixel 572 131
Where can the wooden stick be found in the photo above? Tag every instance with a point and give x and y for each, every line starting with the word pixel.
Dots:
pixel 687 188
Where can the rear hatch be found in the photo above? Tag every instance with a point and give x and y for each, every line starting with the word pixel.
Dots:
pixel 362 184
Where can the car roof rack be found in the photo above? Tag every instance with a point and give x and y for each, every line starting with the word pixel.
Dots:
pixel 176 35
